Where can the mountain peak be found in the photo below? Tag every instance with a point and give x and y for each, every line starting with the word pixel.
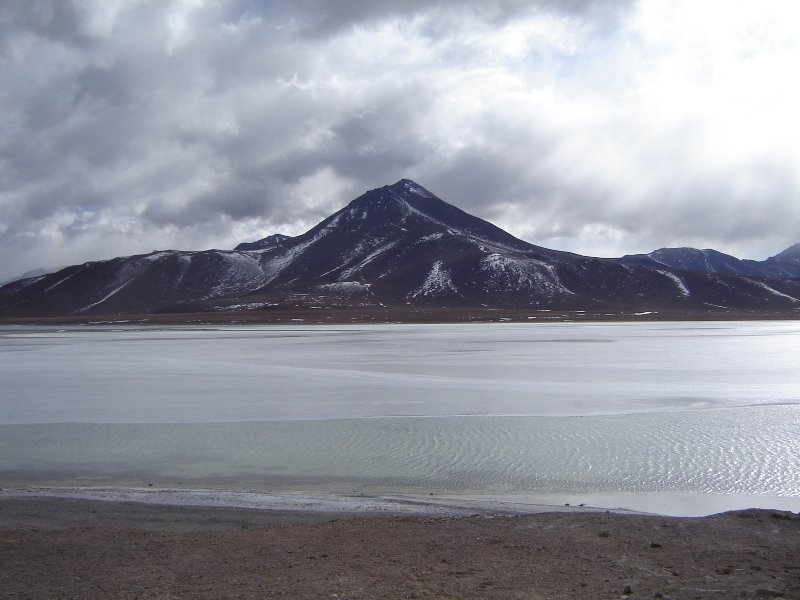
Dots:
pixel 408 186
pixel 412 208
pixel 271 241
pixel 394 201
pixel 398 245
pixel 791 253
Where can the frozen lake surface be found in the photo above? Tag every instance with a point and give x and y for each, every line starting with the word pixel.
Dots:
pixel 590 410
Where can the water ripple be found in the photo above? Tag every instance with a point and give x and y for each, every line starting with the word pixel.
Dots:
pixel 753 450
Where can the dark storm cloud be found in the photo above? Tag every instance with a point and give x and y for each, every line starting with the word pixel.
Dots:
pixel 237 198
pixel 323 17
pixel 58 21
pixel 596 126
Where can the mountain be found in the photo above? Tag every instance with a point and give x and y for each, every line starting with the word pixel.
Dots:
pixel 28 275
pixel 271 241
pixel 791 254
pixel 394 246
pixel 785 265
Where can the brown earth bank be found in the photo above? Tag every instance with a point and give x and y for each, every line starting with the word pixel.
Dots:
pixel 119 550
pixel 371 314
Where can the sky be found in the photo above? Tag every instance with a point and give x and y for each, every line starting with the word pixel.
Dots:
pixel 600 127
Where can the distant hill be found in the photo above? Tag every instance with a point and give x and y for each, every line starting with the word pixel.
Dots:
pixel 401 245
pixel 28 275
pixel 273 241
pixel 785 265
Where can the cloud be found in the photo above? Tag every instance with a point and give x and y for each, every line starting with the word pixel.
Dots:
pixel 57 21
pixel 593 126
pixel 318 17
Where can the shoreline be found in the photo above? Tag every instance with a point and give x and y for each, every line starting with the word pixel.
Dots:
pixel 301 505
pixel 77 548
pixel 342 315
pixel 399 503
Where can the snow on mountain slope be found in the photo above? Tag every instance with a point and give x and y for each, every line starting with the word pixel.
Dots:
pixel 363 259
pixel 773 291
pixel 396 245
pixel 679 283
pixel 512 274
pixel 239 272
pixel 437 283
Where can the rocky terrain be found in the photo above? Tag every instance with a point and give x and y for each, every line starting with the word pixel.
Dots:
pixel 102 550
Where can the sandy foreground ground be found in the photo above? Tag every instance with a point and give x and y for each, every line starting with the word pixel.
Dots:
pixel 79 548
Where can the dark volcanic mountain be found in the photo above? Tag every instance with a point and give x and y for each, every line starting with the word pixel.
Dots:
pixel 785 265
pixel 271 241
pixel 395 245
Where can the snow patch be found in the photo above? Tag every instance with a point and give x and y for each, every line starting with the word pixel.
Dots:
pixel 347 273
pixel 679 283
pixel 773 291
pixel 344 287
pixel 240 272
pixel 334 222
pixel 507 274
pixel 21 284
pixel 245 306
pixel 415 189
pixel 154 256
pixel 106 297
pixel 437 283
pixel 185 261
pixel 276 264
pixel 409 210
pixel 130 268
pixel 430 238
pixel 59 282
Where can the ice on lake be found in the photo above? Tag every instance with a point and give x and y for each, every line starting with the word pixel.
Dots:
pixel 623 408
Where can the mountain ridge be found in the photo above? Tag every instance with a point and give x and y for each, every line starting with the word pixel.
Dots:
pixel 783 265
pixel 397 245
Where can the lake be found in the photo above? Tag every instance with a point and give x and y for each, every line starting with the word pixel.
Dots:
pixel 676 418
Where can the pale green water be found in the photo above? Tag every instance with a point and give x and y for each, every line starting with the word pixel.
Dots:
pixel 710 451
